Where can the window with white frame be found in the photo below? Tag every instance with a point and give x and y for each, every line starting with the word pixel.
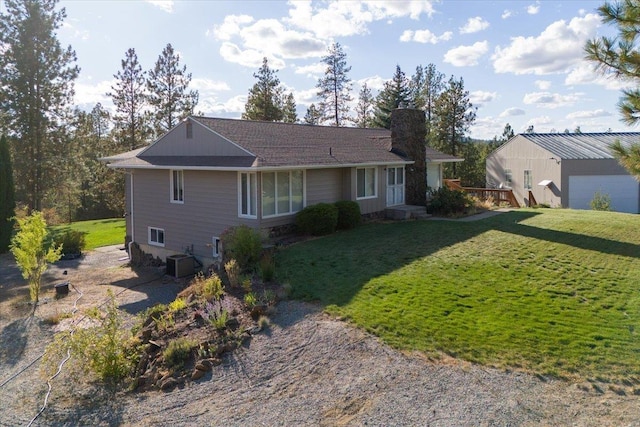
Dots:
pixel 508 178
pixel 248 195
pixel 366 183
pixel 528 180
pixel 216 245
pixel 156 236
pixel 177 186
pixel 282 192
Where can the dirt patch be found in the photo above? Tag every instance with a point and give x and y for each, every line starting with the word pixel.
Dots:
pixel 305 369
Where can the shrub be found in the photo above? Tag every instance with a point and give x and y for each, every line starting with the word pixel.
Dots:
pixel 449 202
pixel 348 214
pixel 251 300
pixel 72 241
pixel 233 272
pixel 177 304
pixel 209 288
pixel 601 202
pixel 219 320
pixel 178 351
pixel 244 244
pixel 318 219
pixel 267 267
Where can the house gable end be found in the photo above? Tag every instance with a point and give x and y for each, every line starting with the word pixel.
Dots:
pixel 202 142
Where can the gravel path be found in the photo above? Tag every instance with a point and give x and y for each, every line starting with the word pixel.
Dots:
pixel 306 369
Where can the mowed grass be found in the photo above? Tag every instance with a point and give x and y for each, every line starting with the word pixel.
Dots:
pixel 98 233
pixel 555 292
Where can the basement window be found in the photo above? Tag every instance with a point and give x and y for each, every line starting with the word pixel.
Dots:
pixel 156 236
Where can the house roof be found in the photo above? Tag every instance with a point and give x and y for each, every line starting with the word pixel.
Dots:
pixel 276 145
pixel 581 145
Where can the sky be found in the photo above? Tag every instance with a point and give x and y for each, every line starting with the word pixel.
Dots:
pixel 521 61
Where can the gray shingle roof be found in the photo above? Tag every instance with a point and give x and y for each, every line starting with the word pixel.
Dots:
pixel 581 145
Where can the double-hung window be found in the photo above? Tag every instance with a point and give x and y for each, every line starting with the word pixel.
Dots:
pixel 177 186
pixel 282 192
pixel 508 178
pixel 248 195
pixel 156 236
pixel 366 183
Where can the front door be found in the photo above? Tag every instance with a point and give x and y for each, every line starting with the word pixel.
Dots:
pixel 395 186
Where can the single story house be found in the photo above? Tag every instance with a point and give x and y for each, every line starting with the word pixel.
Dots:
pixel 208 174
pixel 565 169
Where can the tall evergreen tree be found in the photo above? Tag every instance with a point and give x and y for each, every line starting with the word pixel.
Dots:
pixel 364 109
pixel 313 115
pixel 265 97
pixel 334 88
pixel 454 116
pixel 507 133
pixel 36 86
pixel 7 195
pixel 289 113
pixel 168 94
pixel 396 93
pixel 432 87
pixel 129 97
pixel 619 56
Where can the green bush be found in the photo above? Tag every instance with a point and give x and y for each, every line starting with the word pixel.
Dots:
pixel 318 219
pixel 267 267
pixel 601 202
pixel 178 351
pixel 448 202
pixel 244 244
pixel 72 241
pixel 348 214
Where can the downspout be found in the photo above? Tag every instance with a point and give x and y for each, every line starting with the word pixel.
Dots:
pixel 131 214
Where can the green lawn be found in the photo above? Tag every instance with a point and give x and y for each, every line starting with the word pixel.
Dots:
pixel 99 232
pixel 553 291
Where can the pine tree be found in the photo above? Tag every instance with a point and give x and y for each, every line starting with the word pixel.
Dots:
pixel 364 109
pixel 313 115
pixel 168 94
pixel 432 87
pixel 36 86
pixel 265 97
pixel 129 97
pixel 395 94
pixel 454 116
pixel 619 56
pixel 334 88
pixel 7 195
pixel 289 113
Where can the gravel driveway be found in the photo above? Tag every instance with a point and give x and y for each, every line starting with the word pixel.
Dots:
pixel 306 369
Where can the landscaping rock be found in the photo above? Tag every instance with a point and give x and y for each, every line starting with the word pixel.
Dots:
pixel 197 374
pixel 168 384
pixel 232 323
pixel 203 366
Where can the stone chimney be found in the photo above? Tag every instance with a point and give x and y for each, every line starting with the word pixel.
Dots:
pixel 408 133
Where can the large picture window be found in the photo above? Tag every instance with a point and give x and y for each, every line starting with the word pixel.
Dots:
pixel 366 183
pixel 282 192
pixel 248 195
pixel 177 186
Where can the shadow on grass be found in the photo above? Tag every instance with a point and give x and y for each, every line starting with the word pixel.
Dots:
pixel 332 270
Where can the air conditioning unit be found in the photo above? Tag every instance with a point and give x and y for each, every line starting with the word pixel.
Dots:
pixel 180 265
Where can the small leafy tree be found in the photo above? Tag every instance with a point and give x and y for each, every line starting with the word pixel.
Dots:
pixel 30 250
pixel 601 202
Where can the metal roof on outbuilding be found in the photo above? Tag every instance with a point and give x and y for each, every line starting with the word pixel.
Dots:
pixel 581 145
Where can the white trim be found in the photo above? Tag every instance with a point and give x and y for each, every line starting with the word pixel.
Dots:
pixel 375 184
pixel 253 198
pixel 157 242
pixel 291 211
pixel 263 169
pixel 216 245
pixel 171 189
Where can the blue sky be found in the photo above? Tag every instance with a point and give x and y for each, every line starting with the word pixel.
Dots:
pixel 521 61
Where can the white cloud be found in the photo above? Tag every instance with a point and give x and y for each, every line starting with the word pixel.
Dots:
pixel 249 57
pixel 482 97
pixel 555 50
pixel 306 97
pixel 424 36
pixel 506 14
pixel 537 123
pixel 232 107
pixel 584 74
pixel 208 85
pixel 165 5
pixel 347 18
pixel 312 70
pixel 89 93
pixel 465 56
pixel 230 27
pixel 533 9
pixel 588 114
pixel 543 84
pixel 75 32
pixel 550 100
pixel 375 83
pixel 509 112
pixel 474 25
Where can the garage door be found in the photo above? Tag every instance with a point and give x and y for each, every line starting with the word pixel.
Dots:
pixel 622 189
